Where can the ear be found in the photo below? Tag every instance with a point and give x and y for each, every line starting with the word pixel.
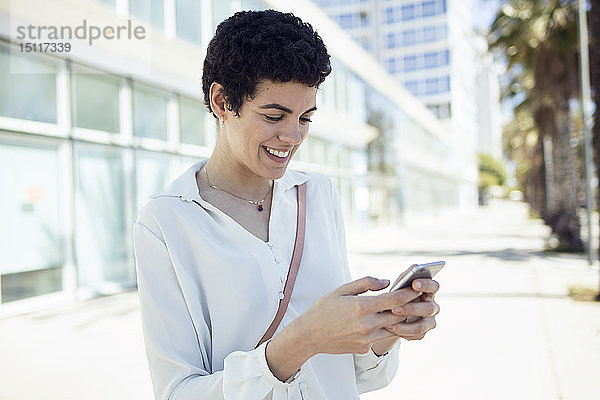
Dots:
pixel 218 104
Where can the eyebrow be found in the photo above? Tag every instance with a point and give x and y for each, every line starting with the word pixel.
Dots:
pixel 283 108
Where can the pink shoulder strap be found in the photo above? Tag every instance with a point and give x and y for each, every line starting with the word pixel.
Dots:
pixel 294 265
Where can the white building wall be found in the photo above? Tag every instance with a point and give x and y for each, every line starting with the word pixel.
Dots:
pixel 488 101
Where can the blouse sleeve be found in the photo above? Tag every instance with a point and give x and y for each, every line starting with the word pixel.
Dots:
pixel 176 349
pixel 372 372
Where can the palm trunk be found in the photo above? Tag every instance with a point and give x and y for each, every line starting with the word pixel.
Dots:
pixel 545 121
pixel 564 219
pixel 594 27
pixel 536 180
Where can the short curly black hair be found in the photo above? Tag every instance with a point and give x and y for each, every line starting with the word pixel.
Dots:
pixel 254 46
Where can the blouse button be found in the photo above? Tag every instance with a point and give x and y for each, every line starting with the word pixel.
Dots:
pixel 277 260
pixel 281 295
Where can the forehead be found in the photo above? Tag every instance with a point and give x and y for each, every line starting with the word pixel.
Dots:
pixel 285 93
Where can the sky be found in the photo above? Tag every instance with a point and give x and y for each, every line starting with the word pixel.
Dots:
pixel 484 12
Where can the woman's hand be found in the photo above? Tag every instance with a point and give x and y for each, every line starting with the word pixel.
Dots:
pixel 420 312
pixel 342 322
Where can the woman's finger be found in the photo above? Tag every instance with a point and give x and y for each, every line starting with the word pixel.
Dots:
pixel 387 301
pixel 419 309
pixel 425 285
pixel 362 285
pixel 413 331
pixel 427 296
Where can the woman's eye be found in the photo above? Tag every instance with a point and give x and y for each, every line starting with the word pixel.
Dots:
pixel 305 119
pixel 271 118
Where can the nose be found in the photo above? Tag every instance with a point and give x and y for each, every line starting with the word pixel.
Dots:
pixel 291 133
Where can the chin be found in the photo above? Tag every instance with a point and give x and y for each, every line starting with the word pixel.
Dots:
pixel 277 174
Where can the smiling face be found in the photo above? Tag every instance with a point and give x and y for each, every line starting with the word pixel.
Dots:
pixel 269 129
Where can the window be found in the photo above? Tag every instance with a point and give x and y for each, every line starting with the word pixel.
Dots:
pixel 148 10
pixel 346 21
pixel 409 37
pixel 437 85
pixel 316 150
pixel 445 57
pixel 364 18
pixel 408 12
pixel 149 113
pixel 255 5
pixel 151 174
pixel 412 86
pixel 429 8
pixel 389 41
pixel 391 65
pixel 431 86
pixel 192 116
pixel 446 111
pixel 436 59
pixel 410 63
pixel 188 20
pixel 445 84
pixel 430 34
pixel 431 60
pixel 31 234
pixel 100 111
pixel 442 111
pixel 28 86
pixel 103 229
pixel 389 15
pixel 443 32
pixel 220 11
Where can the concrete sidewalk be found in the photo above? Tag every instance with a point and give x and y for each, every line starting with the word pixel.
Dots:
pixel 507 329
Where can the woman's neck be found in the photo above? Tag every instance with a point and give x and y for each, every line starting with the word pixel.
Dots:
pixel 236 178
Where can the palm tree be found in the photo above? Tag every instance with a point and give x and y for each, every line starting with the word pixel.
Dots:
pixel 539 40
pixel 523 144
pixel 594 26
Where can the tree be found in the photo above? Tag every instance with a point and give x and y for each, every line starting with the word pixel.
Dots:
pixel 594 34
pixel 491 173
pixel 539 40
pixel 522 144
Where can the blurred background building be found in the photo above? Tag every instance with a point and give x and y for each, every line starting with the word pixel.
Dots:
pixel 433 50
pixel 87 134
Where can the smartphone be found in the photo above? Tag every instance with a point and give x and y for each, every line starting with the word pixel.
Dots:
pixel 416 272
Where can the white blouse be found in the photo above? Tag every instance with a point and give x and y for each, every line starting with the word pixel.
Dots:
pixel 209 289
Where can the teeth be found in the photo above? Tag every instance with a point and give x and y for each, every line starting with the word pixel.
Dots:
pixel 277 153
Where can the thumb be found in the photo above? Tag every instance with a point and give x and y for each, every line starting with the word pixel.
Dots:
pixel 362 285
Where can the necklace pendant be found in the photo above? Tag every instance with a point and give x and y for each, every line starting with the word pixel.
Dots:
pixel 260 207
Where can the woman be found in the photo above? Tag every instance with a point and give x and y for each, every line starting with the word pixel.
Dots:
pixel 213 250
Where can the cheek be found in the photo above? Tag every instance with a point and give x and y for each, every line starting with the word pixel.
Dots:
pixel 248 136
pixel 304 134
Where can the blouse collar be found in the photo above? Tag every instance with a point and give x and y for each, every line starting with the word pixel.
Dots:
pixel 186 188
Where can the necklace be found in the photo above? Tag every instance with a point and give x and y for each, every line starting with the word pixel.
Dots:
pixel 259 203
